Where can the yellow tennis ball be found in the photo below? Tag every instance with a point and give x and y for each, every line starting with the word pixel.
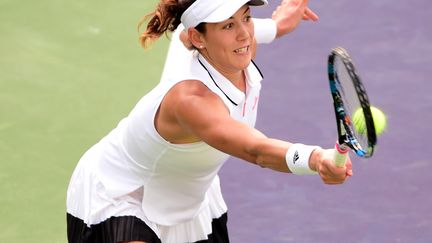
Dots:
pixel 380 120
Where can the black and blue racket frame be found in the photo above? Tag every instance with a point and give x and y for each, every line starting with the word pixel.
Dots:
pixel 345 130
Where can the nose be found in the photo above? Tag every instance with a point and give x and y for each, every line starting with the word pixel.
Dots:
pixel 244 31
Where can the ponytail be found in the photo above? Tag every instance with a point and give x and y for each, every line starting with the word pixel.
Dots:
pixel 165 18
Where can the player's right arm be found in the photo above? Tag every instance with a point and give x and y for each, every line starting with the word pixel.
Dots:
pixel 190 112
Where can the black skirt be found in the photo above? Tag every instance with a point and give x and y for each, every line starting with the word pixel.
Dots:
pixel 131 228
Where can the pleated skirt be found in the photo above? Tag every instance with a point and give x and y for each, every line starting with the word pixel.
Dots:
pixel 93 216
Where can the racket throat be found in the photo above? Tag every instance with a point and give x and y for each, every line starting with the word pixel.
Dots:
pixel 342 148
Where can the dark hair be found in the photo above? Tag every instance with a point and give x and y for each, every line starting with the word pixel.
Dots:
pixel 165 18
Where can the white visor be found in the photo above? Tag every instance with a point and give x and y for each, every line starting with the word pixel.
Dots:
pixel 214 11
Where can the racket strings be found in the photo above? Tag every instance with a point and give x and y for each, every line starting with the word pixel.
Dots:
pixel 350 102
pixel 353 97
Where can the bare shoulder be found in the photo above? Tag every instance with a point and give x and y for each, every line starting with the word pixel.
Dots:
pixel 194 105
pixel 193 94
pixel 188 109
pixel 191 88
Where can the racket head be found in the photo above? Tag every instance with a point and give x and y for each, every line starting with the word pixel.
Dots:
pixel 349 99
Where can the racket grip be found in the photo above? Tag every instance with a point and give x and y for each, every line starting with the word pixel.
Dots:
pixel 340 155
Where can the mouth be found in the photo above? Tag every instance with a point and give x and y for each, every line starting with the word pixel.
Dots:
pixel 242 50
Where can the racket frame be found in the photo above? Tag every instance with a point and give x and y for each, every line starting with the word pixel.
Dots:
pixel 346 135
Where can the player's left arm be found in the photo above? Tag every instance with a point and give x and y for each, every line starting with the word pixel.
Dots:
pixel 290 13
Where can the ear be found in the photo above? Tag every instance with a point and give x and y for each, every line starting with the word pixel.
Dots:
pixel 196 38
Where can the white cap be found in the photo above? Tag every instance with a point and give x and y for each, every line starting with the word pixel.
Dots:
pixel 214 11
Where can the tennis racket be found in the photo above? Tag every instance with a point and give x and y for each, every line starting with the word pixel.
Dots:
pixel 349 96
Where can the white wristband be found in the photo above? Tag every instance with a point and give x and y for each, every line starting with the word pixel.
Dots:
pixel 265 30
pixel 297 159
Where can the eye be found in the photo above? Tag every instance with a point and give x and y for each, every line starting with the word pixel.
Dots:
pixel 248 18
pixel 228 26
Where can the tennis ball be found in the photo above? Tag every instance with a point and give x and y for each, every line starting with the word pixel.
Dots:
pixel 380 120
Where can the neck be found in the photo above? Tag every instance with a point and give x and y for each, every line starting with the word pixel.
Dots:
pixel 240 82
pixel 236 77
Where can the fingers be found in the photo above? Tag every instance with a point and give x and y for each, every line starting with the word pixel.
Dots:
pixel 311 15
pixel 330 173
pixel 300 3
pixel 348 165
pixel 289 14
pixel 304 3
pixel 308 14
pixel 333 175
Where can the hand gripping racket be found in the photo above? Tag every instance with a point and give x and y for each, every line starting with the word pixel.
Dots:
pixel 349 98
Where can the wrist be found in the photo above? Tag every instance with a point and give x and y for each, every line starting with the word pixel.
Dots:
pixel 315 158
pixel 301 159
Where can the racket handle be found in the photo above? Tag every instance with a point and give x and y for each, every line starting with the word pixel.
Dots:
pixel 340 155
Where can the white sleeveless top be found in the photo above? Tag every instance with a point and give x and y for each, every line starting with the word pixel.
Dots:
pixel 175 177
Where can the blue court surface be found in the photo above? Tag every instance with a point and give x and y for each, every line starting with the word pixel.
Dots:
pixel 389 198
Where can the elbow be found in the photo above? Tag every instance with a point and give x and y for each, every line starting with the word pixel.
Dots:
pixel 260 162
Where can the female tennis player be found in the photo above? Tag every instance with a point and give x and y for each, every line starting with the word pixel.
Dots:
pixel 154 177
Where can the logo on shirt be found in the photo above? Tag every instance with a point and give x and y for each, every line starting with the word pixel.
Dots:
pixel 255 103
pixel 253 107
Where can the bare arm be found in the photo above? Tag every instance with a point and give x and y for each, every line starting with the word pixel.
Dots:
pixel 190 112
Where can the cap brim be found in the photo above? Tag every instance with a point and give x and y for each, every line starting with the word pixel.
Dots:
pixel 225 9
pixel 257 2
pixel 229 10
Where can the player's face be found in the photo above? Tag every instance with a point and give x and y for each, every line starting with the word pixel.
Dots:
pixel 230 45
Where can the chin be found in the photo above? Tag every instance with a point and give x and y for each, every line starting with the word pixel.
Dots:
pixel 241 63
pixel 244 64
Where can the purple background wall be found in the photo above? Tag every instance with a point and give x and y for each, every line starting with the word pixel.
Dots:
pixel 388 199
